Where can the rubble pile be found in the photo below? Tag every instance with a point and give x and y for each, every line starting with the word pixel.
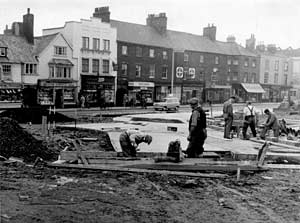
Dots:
pixel 16 142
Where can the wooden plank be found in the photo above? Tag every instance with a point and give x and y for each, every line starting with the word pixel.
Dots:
pixel 282 166
pixel 121 169
pixel 194 168
pixel 276 144
pixel 262 154
pixel 72 155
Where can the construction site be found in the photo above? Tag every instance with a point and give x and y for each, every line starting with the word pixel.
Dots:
pixel 67 166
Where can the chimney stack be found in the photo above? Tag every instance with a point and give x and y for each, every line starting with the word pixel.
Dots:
pixel 158 22
pixel 231 39
pixel 28 26
pixel 271 48
pixel 250 43
pixel 210 32
pixel 261 47
pixel 103 13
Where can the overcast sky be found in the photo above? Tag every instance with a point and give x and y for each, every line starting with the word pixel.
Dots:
pixel 271 21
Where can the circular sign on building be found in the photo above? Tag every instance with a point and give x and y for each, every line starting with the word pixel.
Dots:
pixel 179 72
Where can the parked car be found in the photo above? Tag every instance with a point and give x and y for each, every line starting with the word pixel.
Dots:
pixel 168 103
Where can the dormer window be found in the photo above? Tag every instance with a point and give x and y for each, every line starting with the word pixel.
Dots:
pixel 3 51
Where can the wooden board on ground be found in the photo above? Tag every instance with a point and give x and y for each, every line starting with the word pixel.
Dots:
pixel 276 144
pixel 121 169
pixel 72 155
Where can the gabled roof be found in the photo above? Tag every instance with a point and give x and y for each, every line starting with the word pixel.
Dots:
pixel 19 50
pixel 40 43
pixel 146 35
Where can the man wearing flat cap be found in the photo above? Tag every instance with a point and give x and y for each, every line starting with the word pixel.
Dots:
pixel 197 130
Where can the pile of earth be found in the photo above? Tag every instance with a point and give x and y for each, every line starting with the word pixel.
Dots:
pixel 34 115
pixel 17 142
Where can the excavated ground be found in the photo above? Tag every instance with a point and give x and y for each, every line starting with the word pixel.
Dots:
pixel 39 194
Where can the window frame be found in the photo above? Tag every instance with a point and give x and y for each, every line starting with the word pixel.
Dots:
pixel 83 65
pixel 164 73
pixel 201 59
pixel 138 70
pixel 123 64
pixel 105 66
pixel 97 66
pixel 85 42
pixel 138 51
pixel 185 57
pixel 217 60
pixel 3 51
pixel 152 71
pixel 96 44
pixel 165 55
pixel 266 77
pixel 151 53
pixel 124 50
pixel 106 44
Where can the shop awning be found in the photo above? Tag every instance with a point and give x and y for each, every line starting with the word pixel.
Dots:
pixel 253 88
pixel 216 86
pixel 64 62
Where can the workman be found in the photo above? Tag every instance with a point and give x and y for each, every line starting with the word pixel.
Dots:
pixel 271 123
pixel 249 117
pixel 197 130
pixel 228 116
pixel 130 139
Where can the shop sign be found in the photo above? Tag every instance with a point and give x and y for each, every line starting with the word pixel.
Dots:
pixel 140 84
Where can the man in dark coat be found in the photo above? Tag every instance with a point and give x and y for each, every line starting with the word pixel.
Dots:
pixel 271 123
pixel 197 130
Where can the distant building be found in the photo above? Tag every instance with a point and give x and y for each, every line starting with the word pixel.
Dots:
pixel 18 65
pixel 95 49
pixel 58 80
pixel 275 72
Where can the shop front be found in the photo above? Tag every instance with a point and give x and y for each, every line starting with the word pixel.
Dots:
pixel 10 92
pixel 57 92
pixel 272 93
pixel 249 91
pixel 138 90
pixel 98 90
pixel 217 93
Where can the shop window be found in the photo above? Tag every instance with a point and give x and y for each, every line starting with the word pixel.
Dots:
pixel 165 55
pixel 29 69
pixel 105 66
pixel 85 65
pixel 152 71
pixel 106 45
pixel 164 74
pixel 95 66
pixel 3 52
pixel 96 44
pixel 63 72
pixel 124 50
pixel 138 70
pixel 85 42
pixel 151 53
pixel 60 50
pixel 124 69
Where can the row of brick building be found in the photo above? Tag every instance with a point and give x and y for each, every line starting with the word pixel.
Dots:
pixel 105 59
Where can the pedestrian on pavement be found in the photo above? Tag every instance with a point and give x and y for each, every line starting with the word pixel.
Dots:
pixel 129 141
pixel 249 117
pixel 271 123
pixel 197 130
pixel 228 116
pixel 82 101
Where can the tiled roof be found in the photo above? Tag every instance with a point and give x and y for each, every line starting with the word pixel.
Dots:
pixel 40 43
pixel 19 50
pixel 146 35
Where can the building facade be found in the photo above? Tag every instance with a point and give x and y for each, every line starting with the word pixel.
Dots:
pixel 95 49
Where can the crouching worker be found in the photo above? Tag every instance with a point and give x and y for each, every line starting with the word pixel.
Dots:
pixel 271 123
pixel 129 141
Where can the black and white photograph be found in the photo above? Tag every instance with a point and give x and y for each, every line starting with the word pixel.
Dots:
pixel 134 111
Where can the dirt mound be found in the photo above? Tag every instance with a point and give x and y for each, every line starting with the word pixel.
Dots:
pixel 33 115
pixel 16 142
